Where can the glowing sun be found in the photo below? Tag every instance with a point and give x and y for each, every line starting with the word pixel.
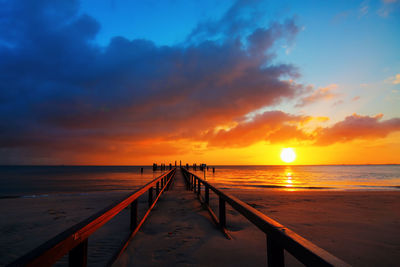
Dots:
pixel 288 155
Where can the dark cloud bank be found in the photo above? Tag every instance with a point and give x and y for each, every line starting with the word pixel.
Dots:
pixel 62 96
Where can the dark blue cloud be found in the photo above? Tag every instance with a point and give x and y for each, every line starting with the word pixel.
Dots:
pixel 61 91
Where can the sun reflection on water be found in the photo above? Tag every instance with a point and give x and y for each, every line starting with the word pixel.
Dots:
pixel 288 175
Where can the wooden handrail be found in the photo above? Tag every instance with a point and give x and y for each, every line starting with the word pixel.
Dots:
pixel 279 237
pixel 74 239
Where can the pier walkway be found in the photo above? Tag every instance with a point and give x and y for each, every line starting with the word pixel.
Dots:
pixel 180 232
pixel 184 231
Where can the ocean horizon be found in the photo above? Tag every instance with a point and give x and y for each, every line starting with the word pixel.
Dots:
pixel 43 181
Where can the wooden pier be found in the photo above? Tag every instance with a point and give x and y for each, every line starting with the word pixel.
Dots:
pixel 180 232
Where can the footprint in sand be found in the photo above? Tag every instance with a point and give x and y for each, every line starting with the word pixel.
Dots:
pixel 57 214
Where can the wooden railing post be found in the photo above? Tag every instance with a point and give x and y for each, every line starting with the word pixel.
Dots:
pixel 78 255
pixel 222 213
pixel 150 196
pixel 169 181
pixel 157 188
pixel 275 253
pixel 195 184
pixel 134 212
pixel 207 194
pixel 187 181
pixel 199 188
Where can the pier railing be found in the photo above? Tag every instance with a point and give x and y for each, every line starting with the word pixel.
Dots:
pixel 75 239
pixel 278 237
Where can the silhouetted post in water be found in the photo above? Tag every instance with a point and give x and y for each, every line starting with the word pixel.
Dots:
pixel 175 163
pixel 194 166
pixel 141 170
pixel 170 166
pixel 187 166
pixel 207 168
pixel 213 169
pixel 180 163
pixel 154 167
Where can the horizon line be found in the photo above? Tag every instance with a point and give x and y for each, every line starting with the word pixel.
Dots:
pixel 190 165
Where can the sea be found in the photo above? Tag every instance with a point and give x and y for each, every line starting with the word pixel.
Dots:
pixel 44 181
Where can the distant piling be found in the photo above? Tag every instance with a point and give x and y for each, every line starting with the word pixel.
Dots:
pixel 141 170
pixel 203 166
pixel 154 167
pixel 213 169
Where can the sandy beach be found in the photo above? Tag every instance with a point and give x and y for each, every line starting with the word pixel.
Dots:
pixel 28 222
pixel 360 227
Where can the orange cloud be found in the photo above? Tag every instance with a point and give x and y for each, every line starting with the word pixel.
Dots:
pixel 357 127
pixel 277 127
pixel 272 126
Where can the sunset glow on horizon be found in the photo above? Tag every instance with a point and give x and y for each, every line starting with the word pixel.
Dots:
pixel 226 82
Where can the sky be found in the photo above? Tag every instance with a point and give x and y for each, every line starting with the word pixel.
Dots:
pixel 121 82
